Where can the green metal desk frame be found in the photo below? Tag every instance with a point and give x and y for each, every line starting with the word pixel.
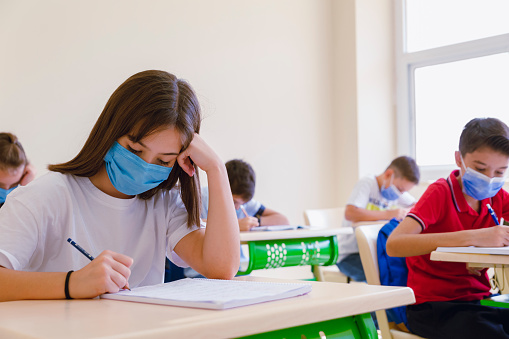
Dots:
pixel 354 327
pixel 268 254
pixel 314 251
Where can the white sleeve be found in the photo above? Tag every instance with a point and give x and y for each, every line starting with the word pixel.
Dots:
pixel 177 227
pixel 20 234
pixel 360 193
pixel 406 200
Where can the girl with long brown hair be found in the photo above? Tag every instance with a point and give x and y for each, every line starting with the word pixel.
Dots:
pixel 130 197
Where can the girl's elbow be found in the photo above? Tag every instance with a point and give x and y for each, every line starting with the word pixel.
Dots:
pixel 225 274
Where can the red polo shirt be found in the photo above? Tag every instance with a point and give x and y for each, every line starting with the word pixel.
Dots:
pixel 443 208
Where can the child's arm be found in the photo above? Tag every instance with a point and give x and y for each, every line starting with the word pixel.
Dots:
pixel 271 217
pixel 213 251
pixel 356 214
pixel 108 272
pixel 407 240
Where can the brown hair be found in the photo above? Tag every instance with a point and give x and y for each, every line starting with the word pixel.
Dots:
pixel 407 168
pixel 242 178
pixel 12 154
pixel 480 132
pixel 144 103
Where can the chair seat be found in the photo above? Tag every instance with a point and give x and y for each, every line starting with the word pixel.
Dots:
pixel 333 274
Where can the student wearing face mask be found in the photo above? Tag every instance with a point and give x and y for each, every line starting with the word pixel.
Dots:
pixel 131 197
pixel 373 198
pixel 14 167
pixel 454 212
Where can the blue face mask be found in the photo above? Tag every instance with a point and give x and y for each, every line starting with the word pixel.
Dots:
pixel 390 193
pixel 130 174
pixel 480 186
pixel 4 192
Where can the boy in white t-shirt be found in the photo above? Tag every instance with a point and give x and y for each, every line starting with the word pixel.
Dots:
pixel 373 198
pixel 250 212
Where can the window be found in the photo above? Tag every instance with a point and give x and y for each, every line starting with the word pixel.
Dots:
pixel 452 65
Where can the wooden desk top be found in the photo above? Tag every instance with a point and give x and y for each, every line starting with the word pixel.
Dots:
pixel 119 319
pixel 293 234
pixel 474 258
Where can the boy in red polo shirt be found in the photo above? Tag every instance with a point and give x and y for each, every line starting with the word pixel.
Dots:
pixel 453 212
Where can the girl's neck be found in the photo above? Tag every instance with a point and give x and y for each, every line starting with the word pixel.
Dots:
pixel 103 183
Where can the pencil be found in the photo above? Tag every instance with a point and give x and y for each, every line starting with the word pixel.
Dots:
pixel 244 210
pixel 86 254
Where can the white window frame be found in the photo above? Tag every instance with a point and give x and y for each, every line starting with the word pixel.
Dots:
pixel 407 63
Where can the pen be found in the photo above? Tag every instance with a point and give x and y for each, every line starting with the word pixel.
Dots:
pixel 86 254
pixel 79 248
pixel 493 215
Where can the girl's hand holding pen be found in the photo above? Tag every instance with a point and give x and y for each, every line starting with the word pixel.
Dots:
pixel 108 273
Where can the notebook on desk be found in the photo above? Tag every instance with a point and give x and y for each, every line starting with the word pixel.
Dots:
pixel 476 250
pixel 211 293
pixel 279 228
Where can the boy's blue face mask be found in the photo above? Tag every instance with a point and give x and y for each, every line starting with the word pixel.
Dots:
pixel 130 174
pixel 390 193
pixel 478 185
pixel 4 192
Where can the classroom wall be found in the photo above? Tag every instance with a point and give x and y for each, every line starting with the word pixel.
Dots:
pixel 364 90
pixel 285 85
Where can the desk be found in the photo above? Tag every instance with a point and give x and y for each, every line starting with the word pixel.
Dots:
pixel 101 318
pixel 477 260
pixel 273 249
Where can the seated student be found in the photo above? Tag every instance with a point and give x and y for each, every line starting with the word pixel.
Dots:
pixel 250 213
pixel 381 197
pixel 118 197
pixel 14 167
pixel 453 212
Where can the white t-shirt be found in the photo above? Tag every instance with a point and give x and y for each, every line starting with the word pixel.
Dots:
pixel 366 194
pixel 37 220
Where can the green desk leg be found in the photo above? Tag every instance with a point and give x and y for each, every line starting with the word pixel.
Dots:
pixel 497 301
pixel 267 254
pixel 355 327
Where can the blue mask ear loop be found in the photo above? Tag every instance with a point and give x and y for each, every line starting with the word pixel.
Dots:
pixel 390 182
pixel 463 163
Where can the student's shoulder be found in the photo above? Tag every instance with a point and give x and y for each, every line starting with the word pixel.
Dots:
pixel 440 188
pixel 366 184
pixel 52 182
pixel 50 187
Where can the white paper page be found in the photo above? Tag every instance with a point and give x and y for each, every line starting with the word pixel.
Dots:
pixel 210 290
pixel 474 249
pixel 278 228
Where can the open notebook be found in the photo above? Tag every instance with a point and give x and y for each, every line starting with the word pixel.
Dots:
pixel 278 228
pixel 474 249
pixel 211 293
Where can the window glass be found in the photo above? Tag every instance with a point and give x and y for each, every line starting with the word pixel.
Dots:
pixel 435 23
pixel 448 95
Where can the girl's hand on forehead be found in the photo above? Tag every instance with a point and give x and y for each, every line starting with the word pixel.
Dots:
pixel 200 154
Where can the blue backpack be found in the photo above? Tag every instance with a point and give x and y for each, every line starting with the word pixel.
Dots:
pixel 393 270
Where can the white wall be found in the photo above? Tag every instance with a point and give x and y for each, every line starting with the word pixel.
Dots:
pixel 301 89
pixel 364 85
